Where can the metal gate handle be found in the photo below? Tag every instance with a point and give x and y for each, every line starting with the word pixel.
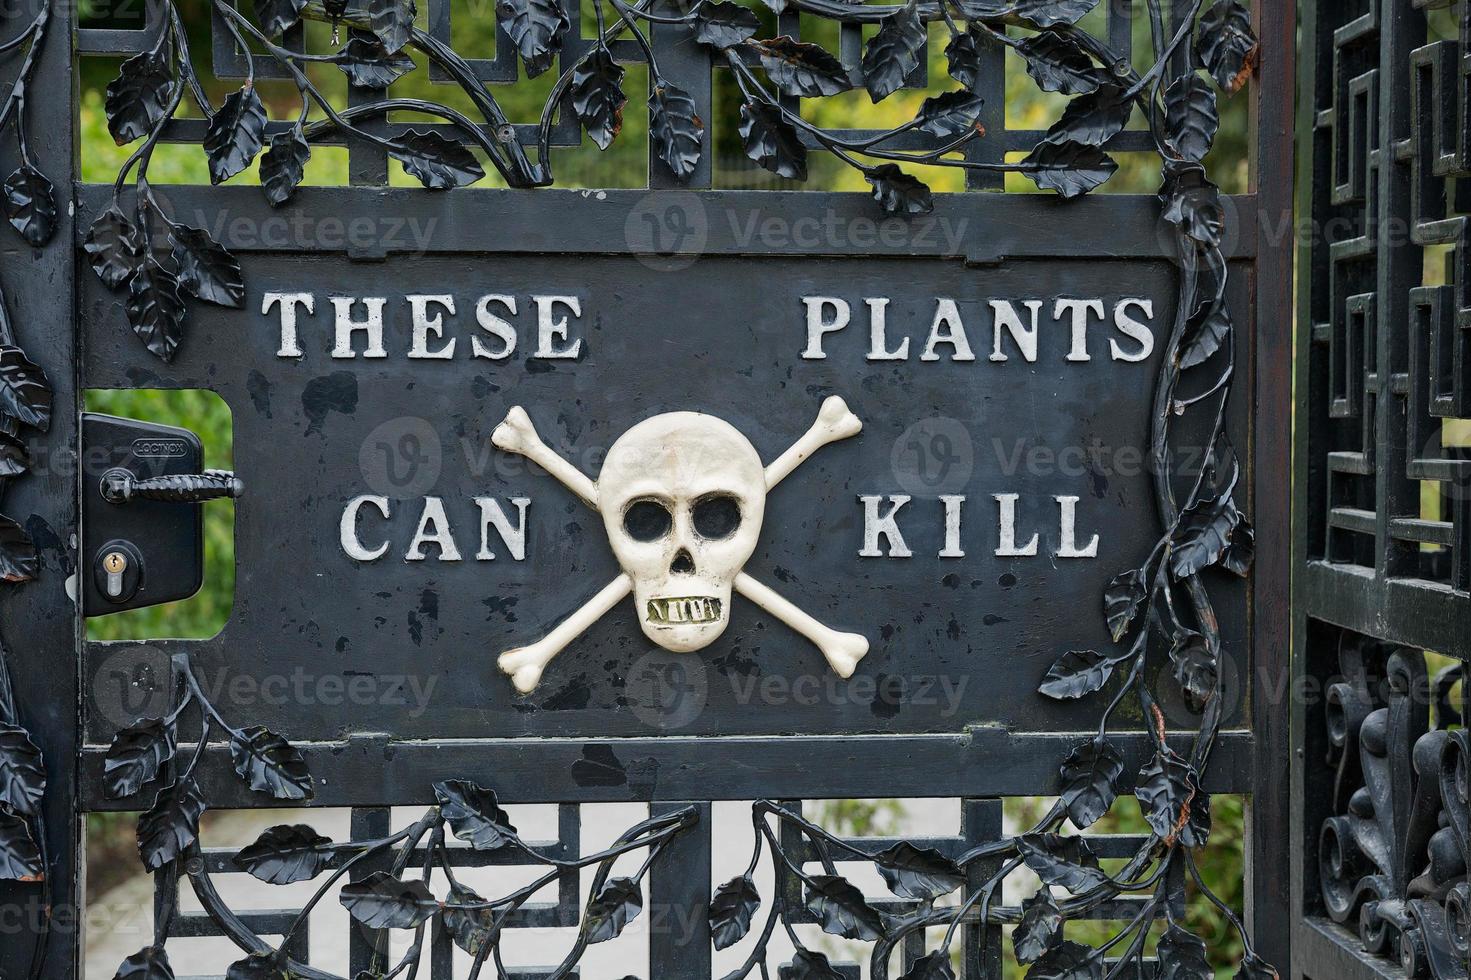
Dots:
pixel 119 487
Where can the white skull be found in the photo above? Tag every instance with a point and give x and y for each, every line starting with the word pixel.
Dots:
pixel 683 496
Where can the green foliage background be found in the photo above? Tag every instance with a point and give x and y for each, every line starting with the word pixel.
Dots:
pixel 623 165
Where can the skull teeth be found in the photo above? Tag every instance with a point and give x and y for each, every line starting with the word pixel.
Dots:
pixel 684 611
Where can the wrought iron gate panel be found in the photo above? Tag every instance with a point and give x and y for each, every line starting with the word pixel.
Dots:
pixel 78 331
pixel 1384 483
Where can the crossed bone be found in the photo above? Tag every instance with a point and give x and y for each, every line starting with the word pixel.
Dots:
pixel 525 664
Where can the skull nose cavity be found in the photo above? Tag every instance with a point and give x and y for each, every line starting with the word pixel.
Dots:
pixel 683 564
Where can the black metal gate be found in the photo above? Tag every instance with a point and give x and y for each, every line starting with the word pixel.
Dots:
pixel 231 289
pixel 1383 629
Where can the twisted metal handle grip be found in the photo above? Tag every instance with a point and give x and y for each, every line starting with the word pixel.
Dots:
pixel 120 487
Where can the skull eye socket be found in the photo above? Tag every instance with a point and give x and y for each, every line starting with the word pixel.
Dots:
pixel 647 520
pixel 717 517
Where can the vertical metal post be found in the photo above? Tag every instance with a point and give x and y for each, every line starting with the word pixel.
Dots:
pixel 39 626
pixel 679 900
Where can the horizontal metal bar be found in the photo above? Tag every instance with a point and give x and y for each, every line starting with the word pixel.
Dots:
pixel 1352 519
pixel 1413 612
pixel 989 227
pixel 983 762
pixel 1442 533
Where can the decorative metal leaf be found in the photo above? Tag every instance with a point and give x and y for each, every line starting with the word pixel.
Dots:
pixel 1203 535
pixel 234 135
pixel 20 858
pixel 276 17
pixel 381 901
pixel 1069 961
pixel 1207 330
pixel 392 22
pixel 921 874
pixel 1182 956
pixel 1166 790
pixel 1253 968
pixel 1071 169
pixel 15 457
pixel 113 247
pixel 155 308
pixel 1090 781
pixel 469 928
pixel 368 64
pixel 283 165
pixel 438 163
pixel 1191 117
pixel 963 59
pixel 1040 929
pixel 898 192
pixel 842 910
pixel 1193 204
pixel 893 53
pixel 731 911
pixel 807 965
pixel 19 561
pixel 1038 13
pixel 1077 674
pixel 137 756
pixel 618 904
pixel 286 854
pixel 772 141
pixel 1124 600
pixel 597 96
pixel 676 129
pixel 1241 552
pixel 151 963
pixel 258 966
pixel 171 824
pixel 30 205
pixel 1066 862
pixel 802 69
pixel 1060 64
pixel 950 115
pixel 206 268
pixel 536 28
pixel 931 966
pixel 270 764
pixel 1093 119
pixel 139 98
pixel 1195 670
pixel 725 24
pixel 1227 44
pixel 25 394
pixel 474 815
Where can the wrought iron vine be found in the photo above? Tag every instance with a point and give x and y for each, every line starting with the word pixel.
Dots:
pixel 1161 611
pixel 146 753
pixel 1393 858
pixel 25 407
